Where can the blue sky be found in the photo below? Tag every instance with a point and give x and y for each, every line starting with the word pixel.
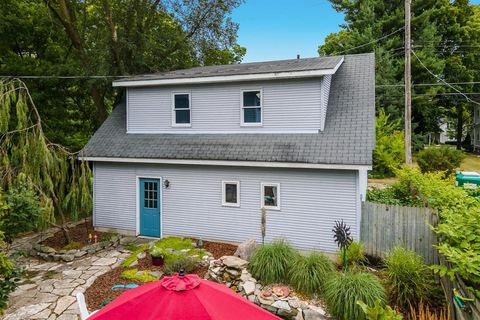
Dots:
pixel 281 29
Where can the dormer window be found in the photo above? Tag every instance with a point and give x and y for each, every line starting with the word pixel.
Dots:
pixel 251 108
pixel 181 116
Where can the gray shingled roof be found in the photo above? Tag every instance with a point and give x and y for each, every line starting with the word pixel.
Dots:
pixel 324 63
pixel 348 137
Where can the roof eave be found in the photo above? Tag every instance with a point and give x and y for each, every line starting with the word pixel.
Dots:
pixel 229 78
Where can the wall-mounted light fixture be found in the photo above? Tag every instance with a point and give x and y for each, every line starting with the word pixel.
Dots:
pixel 166 183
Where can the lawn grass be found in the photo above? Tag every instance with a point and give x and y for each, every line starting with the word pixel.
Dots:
pixel 471 163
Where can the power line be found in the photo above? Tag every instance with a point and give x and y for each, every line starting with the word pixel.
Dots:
pixel 448 84
pixel 424 84
pixel 368 43
pixel 60 77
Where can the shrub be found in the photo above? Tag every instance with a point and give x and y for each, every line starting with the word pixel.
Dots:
pixel 343 290
pixel 24 210
pixel 308 273
pixel 72 246
pixel 355 255
pixel 270 263
pixel 389 153
pixel 133 274
pixel 377 312
pixel 157 252
pixel 409 278
pixel 395 194
pixel 445 159
pixel 188 264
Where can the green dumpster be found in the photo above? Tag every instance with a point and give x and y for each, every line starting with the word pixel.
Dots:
pixel 468 180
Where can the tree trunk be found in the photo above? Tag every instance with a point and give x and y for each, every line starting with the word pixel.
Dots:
pixel 459 126
pixel 64 226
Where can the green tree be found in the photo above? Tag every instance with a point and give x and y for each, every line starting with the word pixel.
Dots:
pixel 62 183
pixel 106 37
pixel 444 36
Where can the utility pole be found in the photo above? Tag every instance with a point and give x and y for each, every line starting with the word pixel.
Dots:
pixel 408 86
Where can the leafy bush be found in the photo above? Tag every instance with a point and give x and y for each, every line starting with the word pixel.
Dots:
pixel 270 263
pixel 188 264
pixel 24 210
pixel 355 255
pixel 308 273
pixel 343 290
pixel 106 237
pixel 409 278
pixel 377 312
pixel 9 278
pixel 393 195
pixel 445 159
pixel 132 274
pixel 389 153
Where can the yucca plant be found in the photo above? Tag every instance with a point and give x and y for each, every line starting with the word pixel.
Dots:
pixel 343 290
pixel 309 273
pixel 409 278
pixel 270 263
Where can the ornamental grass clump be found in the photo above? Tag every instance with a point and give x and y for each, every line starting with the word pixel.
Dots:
pixel 409 278
pixel 343 290
pixel 309 273
pixel 355 256
pixel 270 263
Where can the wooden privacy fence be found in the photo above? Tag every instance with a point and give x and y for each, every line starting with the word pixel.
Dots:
pixel 385 226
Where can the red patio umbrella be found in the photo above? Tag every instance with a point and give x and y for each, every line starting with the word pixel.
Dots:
pixel 182 297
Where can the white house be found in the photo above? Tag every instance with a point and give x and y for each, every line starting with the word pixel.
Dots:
pixel 199 152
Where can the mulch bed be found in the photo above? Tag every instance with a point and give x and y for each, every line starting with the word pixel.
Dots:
pixel 219 249
pixel 100 291
pixel 79 234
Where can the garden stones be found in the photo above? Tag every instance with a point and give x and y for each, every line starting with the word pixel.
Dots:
pixel 245 249
pixel 279 300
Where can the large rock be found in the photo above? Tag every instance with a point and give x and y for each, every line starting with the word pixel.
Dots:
pixel 249 287
pixel 234 262
pixel 245 249
pixel 280 304
pixel 310 314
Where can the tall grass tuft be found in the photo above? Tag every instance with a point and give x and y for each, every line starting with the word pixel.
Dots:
pixel 309 273
pixel 270 263
pixel 409 278
pixel 355 255
pixel 423 312
pixel 343 290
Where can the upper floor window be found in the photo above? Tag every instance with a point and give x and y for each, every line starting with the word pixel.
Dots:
pixel 181 110
pixel 251 108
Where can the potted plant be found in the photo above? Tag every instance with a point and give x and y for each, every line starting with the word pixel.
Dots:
pixel 157 256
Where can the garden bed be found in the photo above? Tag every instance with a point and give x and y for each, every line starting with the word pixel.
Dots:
pixel 100 292
pixel 78 234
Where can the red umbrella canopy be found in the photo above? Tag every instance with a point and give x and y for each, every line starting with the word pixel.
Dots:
pixel 182 298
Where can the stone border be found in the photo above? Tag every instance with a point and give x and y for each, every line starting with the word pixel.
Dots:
pixel 50 254
pixel 232 271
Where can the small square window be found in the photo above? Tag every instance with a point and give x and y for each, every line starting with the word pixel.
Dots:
pixel 181 110
pixel 251 108
pixel 231 193
pixel 271 196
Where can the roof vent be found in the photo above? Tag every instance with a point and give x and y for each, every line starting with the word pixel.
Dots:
pixel 298 56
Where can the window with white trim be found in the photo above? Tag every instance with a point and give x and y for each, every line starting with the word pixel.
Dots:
pixel 181 110
pixel 271 196
pixel 251 107
pixel 231 193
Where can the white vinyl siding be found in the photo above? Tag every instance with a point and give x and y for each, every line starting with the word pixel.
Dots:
pixel 291 105
pixel 311 201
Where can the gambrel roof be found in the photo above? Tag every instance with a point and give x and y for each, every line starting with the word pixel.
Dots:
pixel 347 139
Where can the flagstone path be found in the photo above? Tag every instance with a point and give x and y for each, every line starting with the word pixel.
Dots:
pixel 48 291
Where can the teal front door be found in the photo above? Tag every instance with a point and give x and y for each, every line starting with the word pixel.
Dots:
pixel 150 207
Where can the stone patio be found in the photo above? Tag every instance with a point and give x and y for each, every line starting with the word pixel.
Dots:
pixel 49 288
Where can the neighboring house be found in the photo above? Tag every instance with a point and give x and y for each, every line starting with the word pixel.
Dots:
pixel 475 135
pixel 199 152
